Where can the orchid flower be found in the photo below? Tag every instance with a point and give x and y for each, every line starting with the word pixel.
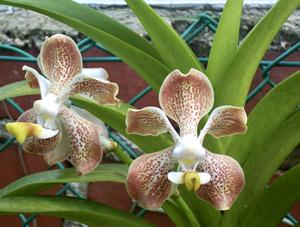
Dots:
pixel 52 127
pixel 186 98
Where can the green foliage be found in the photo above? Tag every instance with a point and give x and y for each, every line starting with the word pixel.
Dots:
pixel 273 125
pixel 84 211
pixel 242 69
pixel 37 182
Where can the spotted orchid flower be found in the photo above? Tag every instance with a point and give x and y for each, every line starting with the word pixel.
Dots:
pixel 186 98
pixel 52 127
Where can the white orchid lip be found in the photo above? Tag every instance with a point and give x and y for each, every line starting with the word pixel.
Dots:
pixel 47 107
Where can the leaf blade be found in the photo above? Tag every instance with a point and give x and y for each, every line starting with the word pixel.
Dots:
pixel 84 211
pixel 37 182
pixel 168 43
pixel 249 55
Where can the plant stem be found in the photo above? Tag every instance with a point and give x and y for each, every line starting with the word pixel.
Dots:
pixel 175 214
pixel 186 210
pixel 122 155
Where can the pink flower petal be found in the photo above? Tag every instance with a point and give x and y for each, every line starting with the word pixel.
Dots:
pixel 101 91
pixel 84 140
pixel 186 98
pixel 147 180
pixel 36 145
pixel 227 120
pixel 149 121
pixel 227 180
pixel 60 60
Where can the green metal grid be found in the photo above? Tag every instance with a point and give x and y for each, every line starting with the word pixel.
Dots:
pixel 192 31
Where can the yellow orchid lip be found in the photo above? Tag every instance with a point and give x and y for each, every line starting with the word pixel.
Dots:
pixel 191 180
pixel 22 130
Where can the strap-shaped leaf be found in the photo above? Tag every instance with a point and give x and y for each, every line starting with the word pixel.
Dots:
pixel 226 40
pixel 84 211
pixel 276 201
pixel 266 117
pixel 265 160
pixel 113 115
pixel 37 182
pixel 205 213
pixel 172 48
pixel 87 21
pixel 233 88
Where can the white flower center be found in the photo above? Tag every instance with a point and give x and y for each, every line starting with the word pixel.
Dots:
pixel 188 151
pixel 47 110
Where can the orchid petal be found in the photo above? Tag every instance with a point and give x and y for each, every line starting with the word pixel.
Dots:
pixel 149 121
pixel 99 90
pixel 176 177
pixel 227 180
pixel 227 120
pixel 84 141
pixel 147 180
pixel 36 80
pixel 60 60
pixel 186 98
pixel 47 140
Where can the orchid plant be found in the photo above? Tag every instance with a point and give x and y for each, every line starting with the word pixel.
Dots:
pixel 55 129
pixel 228 187
pixel 186 98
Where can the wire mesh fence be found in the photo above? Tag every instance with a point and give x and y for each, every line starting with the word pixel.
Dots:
pixel 203 22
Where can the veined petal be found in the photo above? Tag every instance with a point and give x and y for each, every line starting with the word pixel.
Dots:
pixel 227 180
pixel 36 80
pixel 147 180
pixel 227 120
pixel 99 90
pixel 26 134
pixel 149 121
pixel 186 98
pixel 60 60
pixel 84 140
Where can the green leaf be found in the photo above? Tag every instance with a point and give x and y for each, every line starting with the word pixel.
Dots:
pixel 276 201
pixel 37 182
pixel 70 12
pixel 226 40
pixel 172 48
pixel 113 115
pixel 266 159
pixel 266 117
pixel 233 88
pixel 17 89
pixel 106 31
pixel 84 211
pixel 205 213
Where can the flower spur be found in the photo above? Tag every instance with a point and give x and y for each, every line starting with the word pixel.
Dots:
pixel 52 127
pixel 186 98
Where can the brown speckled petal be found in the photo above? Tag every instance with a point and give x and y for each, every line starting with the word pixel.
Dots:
pixel 227 120
pixel 147 181
pixel 84 139
pixel 148 121
pixel 60 60
pixel 36 145
pixel 227 180
pixel 101 91
pixel 186 98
